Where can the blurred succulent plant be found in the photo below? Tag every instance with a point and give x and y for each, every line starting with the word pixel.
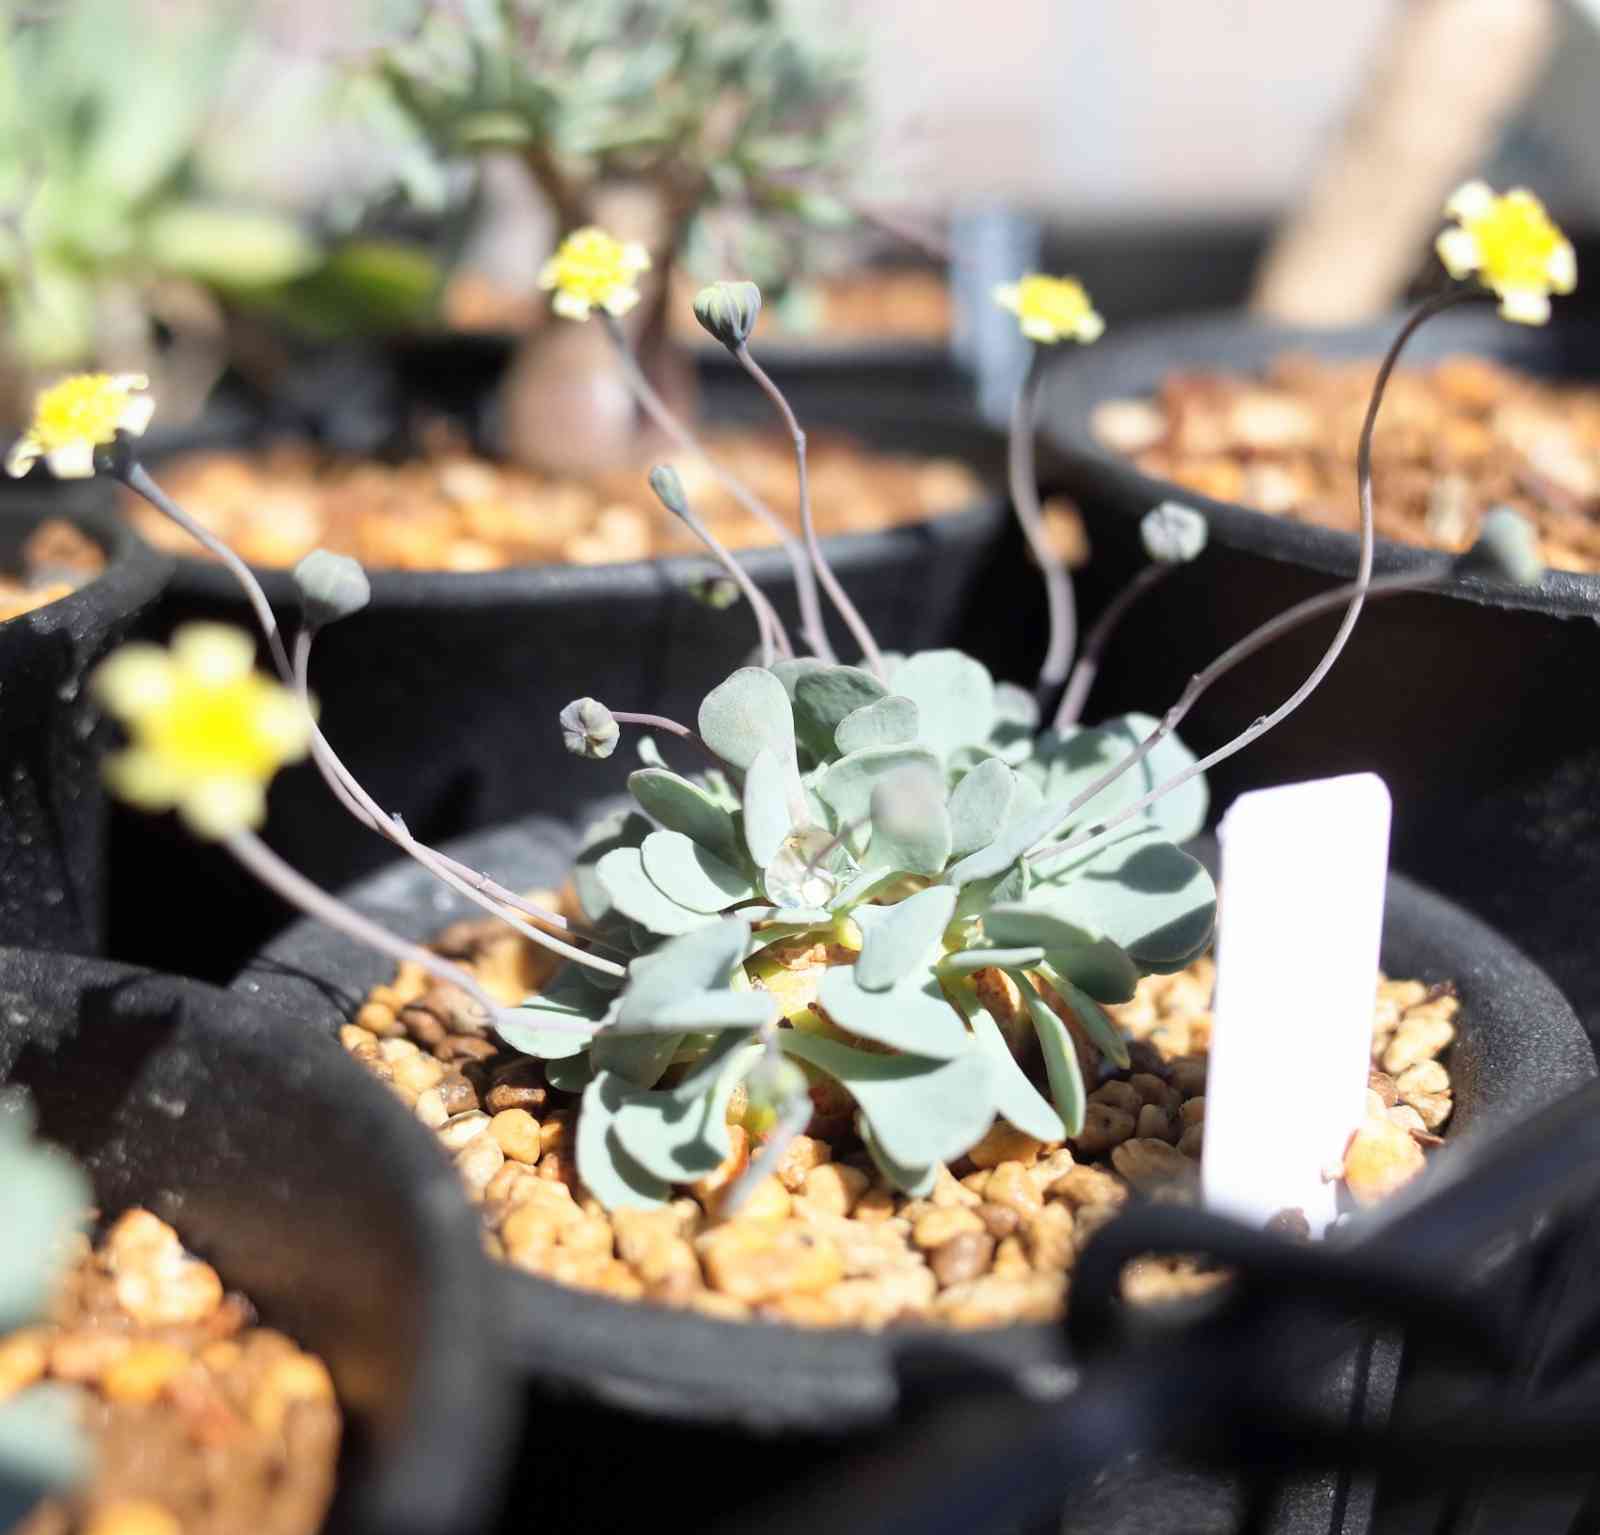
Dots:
pixel 46 1199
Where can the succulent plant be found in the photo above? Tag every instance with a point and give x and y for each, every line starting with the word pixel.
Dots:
pixel 889 821
pixel 46 1199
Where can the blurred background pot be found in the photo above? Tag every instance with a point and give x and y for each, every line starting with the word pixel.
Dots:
pixel 1476 705
pixel 774 1405
pixel 53 813
pixel 281 1162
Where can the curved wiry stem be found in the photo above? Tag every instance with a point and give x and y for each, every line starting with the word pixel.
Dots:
pixel 847 610
pixel 1087 667
pixel 1023 479
pixel 811 626
pixel 1352 595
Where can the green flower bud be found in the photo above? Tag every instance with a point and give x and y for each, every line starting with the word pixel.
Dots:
pixel 728 310
pixel 1507 547
pixel 664 481
pixel 332 586
pixel 1172 533
pixel 716 592
pixel 588 730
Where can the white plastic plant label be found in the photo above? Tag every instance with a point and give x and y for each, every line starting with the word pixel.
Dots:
pixel 1302 883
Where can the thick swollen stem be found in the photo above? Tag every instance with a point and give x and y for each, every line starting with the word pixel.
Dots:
pixel 1087 667
pixel 830 583
pixel 315 902
pixel 1024 483
pixel 811 626
pixel 1353 595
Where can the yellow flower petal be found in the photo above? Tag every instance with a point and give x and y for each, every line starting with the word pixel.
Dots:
pixel 592 268
pixel 619 301
pixel 1470 200
pixel 25 453
pixel 218 808
pixel 214 655
pixel 1514 247
pixel 569 306
pixel 284 724
pixel 1562 268
pixel 72 460
pixel 1458 250
pixel 1049 309
pixel 144 779
pixel 136 415
pixel 133 681
pixel 1525 306
pixel 1007 295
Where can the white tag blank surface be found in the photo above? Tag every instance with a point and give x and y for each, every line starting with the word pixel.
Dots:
pixel 1302 882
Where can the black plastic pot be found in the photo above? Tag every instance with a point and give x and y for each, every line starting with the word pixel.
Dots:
pixel 442 696
pixel 52 807
pixel 1476 705
pixel 282 1163
pixel 1520 1046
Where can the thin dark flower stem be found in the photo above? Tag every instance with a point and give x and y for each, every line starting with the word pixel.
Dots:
pixel 1087 667
pixel 672 727
pixel 830 583
pixel 478 888
pixel 1024 483
pixel 301 893
pixel 137 478
pixel 811 626
pixel 1354 595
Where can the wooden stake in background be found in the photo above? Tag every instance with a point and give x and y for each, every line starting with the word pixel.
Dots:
pixel 1303 873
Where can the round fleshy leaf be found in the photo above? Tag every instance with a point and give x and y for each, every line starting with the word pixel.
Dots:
pixel 910 825
pixel 918 1182
pixel 907 940
pixel 680 805
pixel 572 1075
pixel 677 1139
pixel 622 828
pixel 921 1111
pixel 1101 969
pixel 1180 814
pixel 633 893
pixel 702 960
pixel 1096 1022
pixel 1023 925
pixel 690 875
pixel 846 788
pixel 954 696
pixel 543 1025
pixel 891 721
pixel 980 806
pixel 636 1059
pixel 1060 1056
pixel 965 961
pixel 1016 1099
pixel 748 713
pixel 766 808
pixel 790 671
pixel 607 1170
pixel 914 1016
pixel 824 696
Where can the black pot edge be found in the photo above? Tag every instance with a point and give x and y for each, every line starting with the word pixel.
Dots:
pixel 461 1379
pixel 834 1382
pixel 1131 362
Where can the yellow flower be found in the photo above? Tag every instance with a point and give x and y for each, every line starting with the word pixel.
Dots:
pixel 589 268
pixel 208 732
pixel 1513 245
pixel 74 417
pixel 1051 309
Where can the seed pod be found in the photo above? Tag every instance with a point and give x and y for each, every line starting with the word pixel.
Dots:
pixel 588 730
pixel 728 310
pixel 332 586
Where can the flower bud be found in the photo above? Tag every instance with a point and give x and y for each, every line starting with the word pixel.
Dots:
pixel 728 310
pixel 588 730
pixel 1172 533
pixel 1507 547
pixel 664 481
pixel 332 586
pixel 717 592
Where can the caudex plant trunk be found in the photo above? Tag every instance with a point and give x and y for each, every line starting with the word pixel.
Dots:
pixel 965 886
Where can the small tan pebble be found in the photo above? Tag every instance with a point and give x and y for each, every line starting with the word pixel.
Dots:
pixel 937 1227
pixel 723 1308
pixel 1048 1238
pixel 144 1372
pixel 1404 994
pixel 1144 1060
pixel 1191 1142
pixel 992 1300
pixel 1005 1143
pixel 458 1093
pixel 1118 1095
pixel 1148 1164
pixel 1128 426
pixel 516 1132
pixel 1048 1168
pixel 84 1357
pixel 477 1162
pixel 949 1190
pixel 133 1516
pixel 1088 1219
pixel 557 1167
pixel 393 1050
pixel 1154 1123
pixel 374 1018
pixel 802 1311
pixel 999 1220
pixel 756 1261
pixel 1084 1187
pixel 1423 1079
pixel 459 1129
pixel 877 1204
pixel 769 1200
pixel 803 1156
pixel 170 1293
pixel 1417 1039
pixel 835 1187
pixel 1189 1075
pixel 1011 1259
pixel 353 1037
pixel 1382 1158
pixel 708 1190
pixel 24 1358
pixel 1012 1187
pixel 1103 1128
pixel 430 1109
pixel 589 1234
pixel 137 1239
pixel 509 1187
pixel 1384 1086
pixel 620 1282
pixel 1290 1223
pixel 294 1379
pixel 418 1073
pixel 517 1084
pixel 1407 1117
pixel 1147 1280
pixel 1173 1038
pixel 1154 1089
pixel 459 1049
pixel 1193 1112
pixel 963 1257
pixel 976 1181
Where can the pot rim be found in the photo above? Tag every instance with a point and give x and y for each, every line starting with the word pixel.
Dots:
pixel 674 1364
pixel 460 1381
pixel 1131 362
